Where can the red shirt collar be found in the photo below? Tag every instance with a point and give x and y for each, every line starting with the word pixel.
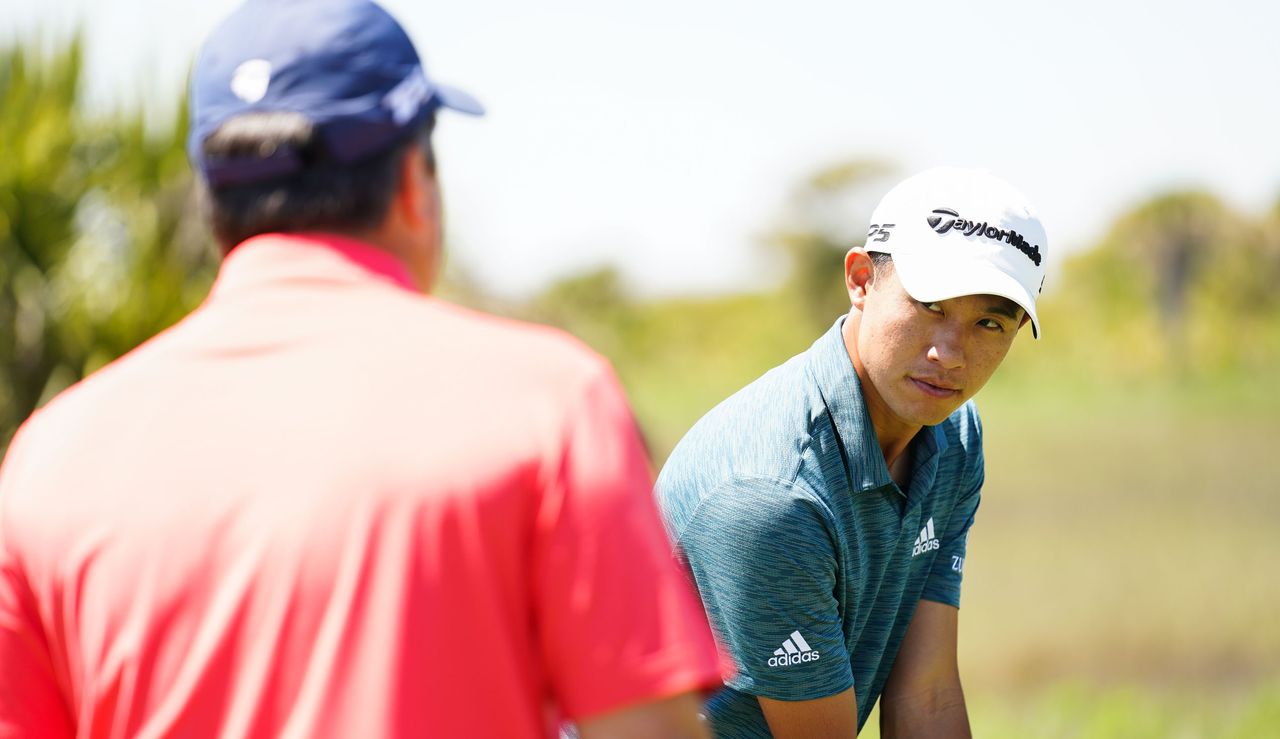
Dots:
pixel 307 258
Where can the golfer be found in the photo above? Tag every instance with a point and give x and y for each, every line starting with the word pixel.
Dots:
pixel 823 509
pixel 325 504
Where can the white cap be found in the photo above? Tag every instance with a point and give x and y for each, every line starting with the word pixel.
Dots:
pixel 955 232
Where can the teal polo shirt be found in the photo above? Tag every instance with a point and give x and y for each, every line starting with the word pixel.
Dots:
pixel 809 559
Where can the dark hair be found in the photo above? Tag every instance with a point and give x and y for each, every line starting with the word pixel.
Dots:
pixel 880 261
pixel 326 195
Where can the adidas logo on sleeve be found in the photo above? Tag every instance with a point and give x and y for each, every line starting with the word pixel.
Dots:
pixel 793 651
pixel 926 541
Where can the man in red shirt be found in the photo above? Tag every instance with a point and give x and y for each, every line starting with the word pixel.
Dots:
pixel 326 504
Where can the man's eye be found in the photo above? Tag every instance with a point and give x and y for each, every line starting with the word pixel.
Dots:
pixel 991 323
pixel 934 307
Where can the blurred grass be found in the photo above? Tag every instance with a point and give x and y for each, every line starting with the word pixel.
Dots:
pixel 1127 533
pixel 1078 710
pixel 1121 577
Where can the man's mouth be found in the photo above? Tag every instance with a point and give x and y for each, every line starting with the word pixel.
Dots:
pixel 935 388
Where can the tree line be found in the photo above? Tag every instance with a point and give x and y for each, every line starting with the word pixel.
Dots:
pixel 102 246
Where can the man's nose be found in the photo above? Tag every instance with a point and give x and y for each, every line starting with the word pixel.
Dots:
pixel 947 350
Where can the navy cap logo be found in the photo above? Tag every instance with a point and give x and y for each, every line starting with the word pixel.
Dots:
pixel 346 66
pixel 250 80
pixel 408 96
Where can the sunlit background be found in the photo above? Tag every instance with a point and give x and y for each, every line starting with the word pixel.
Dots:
pixel 676 183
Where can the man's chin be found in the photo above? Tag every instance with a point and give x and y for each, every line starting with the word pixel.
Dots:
pixel 935 414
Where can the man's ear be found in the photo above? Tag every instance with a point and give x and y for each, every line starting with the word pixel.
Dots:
pixel 415 187
pixel 857 275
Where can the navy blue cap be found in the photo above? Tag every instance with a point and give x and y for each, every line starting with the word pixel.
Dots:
pixel 346 65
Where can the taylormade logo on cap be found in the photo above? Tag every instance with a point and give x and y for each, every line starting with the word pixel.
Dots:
pixel 944 219
pixel 954 232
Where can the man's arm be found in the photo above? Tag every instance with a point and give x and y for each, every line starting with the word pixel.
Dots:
pixel 675 717
pixel 922 696
pixel 833 717
pixel 762 555
pixel 620 627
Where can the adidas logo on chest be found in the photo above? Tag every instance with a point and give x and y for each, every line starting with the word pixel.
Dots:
pixel 926 541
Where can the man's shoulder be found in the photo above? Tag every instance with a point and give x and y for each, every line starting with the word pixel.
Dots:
pixel 514 362
pixel 78 407
pixel 758 433
pixel 472 334
pixel 963 430
pixel 961 466
pixel 772 409
pixel 404 341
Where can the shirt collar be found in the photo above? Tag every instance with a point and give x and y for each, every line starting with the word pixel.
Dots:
pixel 307 258
pixel 841 391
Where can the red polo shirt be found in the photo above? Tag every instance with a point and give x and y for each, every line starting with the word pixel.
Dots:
pixel 326 505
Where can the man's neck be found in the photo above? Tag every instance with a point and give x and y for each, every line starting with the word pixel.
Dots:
pixel 383 238
pixel 893 434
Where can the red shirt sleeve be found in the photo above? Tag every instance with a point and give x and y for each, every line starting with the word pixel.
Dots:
pixel 618 619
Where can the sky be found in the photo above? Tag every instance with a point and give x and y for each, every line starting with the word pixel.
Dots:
pixel 663 137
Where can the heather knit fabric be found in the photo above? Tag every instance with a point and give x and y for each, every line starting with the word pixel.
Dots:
pixel 809 558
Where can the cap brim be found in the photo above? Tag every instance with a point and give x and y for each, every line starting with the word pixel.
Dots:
pixel 455 99
pixel 927 279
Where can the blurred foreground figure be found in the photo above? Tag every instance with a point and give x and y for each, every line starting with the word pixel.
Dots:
pixel 326 505
pixel 823 509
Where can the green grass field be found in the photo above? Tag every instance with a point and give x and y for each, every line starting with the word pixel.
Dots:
pixel 1122 575
pixel 1080 709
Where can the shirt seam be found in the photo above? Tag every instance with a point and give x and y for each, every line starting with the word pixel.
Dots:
pixel 725 483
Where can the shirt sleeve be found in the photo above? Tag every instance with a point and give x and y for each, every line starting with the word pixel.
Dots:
pixel 618 619
pixel 31 703
pixel 761 553
pixel 943 584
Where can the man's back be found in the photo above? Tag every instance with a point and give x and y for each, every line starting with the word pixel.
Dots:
pixel 324 505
